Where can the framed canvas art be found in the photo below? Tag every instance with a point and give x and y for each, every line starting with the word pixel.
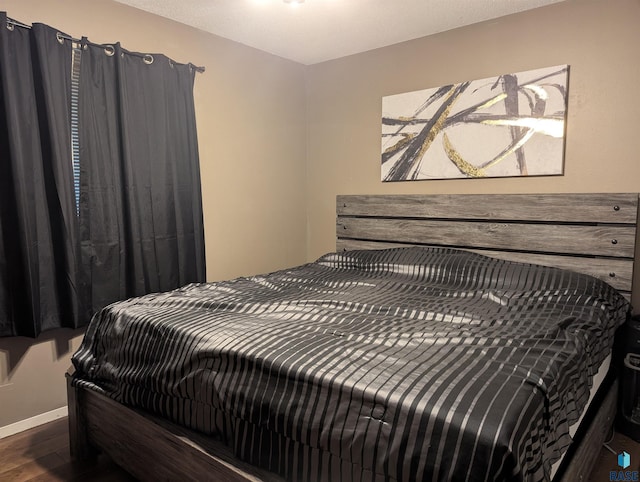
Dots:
pixel 505 126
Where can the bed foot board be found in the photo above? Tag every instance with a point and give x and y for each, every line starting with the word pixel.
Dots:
pixel 79 445
pixel 148 447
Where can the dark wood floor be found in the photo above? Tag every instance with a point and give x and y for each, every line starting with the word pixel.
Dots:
pixel 42 454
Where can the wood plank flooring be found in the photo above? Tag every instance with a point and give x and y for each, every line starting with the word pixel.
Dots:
pixel 42 454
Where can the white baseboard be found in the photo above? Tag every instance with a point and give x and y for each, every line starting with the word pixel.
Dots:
pixel 32 422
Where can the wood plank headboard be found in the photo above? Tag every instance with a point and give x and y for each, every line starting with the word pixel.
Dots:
pixel 588 233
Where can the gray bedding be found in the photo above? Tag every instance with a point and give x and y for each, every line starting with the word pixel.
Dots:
pixel 403 364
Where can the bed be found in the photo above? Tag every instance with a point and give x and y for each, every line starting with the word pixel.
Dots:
pixel 362 374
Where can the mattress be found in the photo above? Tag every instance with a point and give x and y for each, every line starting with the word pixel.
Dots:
pixel 403 364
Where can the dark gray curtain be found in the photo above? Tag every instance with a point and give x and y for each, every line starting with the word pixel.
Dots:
pixel 141 219
pixel 138 227
pixel 37 247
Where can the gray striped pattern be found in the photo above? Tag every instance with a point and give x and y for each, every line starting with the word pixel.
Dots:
pixel 402 364
pixel 76 54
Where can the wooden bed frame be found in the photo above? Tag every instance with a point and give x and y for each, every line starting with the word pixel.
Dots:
pixel 590 233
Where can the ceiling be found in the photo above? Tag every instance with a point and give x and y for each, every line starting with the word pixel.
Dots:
pixel 320 30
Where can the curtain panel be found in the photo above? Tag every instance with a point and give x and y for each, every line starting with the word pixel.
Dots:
pixel 135 226
pixel 141 202
pixel 37 243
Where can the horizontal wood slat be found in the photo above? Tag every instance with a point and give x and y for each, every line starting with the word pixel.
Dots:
pixel 570 208
pixel 151 451
pixel 569 231
pixel 621 269
pixel 615 241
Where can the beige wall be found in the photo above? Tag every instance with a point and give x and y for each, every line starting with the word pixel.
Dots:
pixel 261 214
pixel 251 116
pixel 599 39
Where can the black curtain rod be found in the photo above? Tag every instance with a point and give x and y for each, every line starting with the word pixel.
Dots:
pixel 67 37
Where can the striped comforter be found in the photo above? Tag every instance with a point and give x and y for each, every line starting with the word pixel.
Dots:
pixel 403 364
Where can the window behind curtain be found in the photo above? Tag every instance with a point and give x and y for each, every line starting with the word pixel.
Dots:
pixel 100 191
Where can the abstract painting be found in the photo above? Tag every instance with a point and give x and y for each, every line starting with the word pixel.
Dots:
pixel 504 126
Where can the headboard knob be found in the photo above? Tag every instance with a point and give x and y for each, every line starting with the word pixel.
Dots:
pixel 616 208
pixel 613 241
